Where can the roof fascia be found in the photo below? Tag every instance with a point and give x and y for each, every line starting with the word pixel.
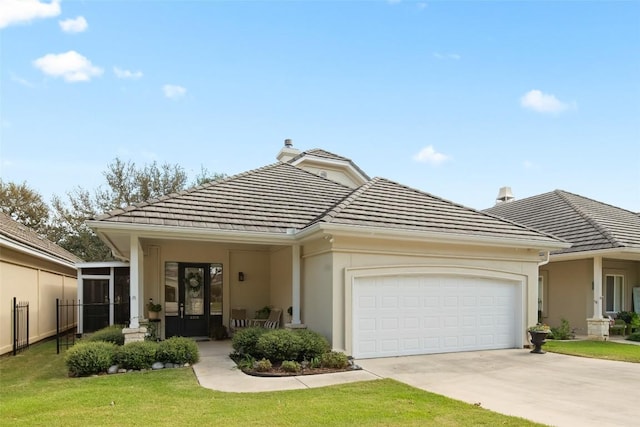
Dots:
pixel 385 233
pixel 621 253
pixel 34 252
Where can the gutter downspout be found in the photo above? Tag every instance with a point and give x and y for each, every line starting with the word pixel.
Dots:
pixel 546 261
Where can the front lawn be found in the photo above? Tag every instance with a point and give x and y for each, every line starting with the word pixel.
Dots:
pixel 35 390
pixel 596 349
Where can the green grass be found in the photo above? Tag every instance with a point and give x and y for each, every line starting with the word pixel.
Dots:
pixel 596 349
pixel 35 390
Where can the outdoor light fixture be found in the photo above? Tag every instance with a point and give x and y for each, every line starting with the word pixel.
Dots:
pixel 241 276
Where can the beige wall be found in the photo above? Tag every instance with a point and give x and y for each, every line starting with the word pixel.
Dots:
pixel 280 266
pixel 570 289
pixel 349 257
pixel 37 281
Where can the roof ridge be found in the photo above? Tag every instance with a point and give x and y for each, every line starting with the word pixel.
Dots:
pixel 342 204
pixel 587 217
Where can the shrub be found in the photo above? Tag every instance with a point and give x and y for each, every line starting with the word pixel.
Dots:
pixel 563 332
pixel 245 363
pixel 629 317
pixel 178 350
pixel 334 360
pixel 112 334
pixel 244 341
pixel 634 336
pixel 290 366
pixel 89 358
pixel 313 344
pixel 279 345
pixel 263 365
pixel 137 355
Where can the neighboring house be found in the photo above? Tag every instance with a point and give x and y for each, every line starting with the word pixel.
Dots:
pixel 379 268
pixel 35 270
pixel 593 279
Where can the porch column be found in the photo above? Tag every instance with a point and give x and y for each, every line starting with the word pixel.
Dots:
pixel 597 326
pixel 295 284
pixel 135 265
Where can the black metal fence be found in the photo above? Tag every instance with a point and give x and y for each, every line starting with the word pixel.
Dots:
pixel 94 316
pixel 20 325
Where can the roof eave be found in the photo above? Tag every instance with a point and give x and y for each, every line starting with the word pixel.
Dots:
pixel 36 253
pixel 621 253
pixel 436 237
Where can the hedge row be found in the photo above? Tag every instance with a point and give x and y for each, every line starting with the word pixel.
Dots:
pixel 95 357
pixel 280 344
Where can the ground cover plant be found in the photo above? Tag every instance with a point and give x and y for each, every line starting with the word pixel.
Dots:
pixel 596 349
pixel 35 390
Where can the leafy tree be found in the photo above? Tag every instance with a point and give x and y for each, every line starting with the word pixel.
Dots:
pixel 24 205
pixel 205 176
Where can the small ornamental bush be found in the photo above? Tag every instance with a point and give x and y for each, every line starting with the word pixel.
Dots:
pixel 562 332
pixel 89 358
pixel 634 336
pixel 313 344
pixel 136 355
pixel 262 365
pixel 290 366
pixel 334 360
pixel 279 345
pixel 178 350
pixel 244 341
pixel 112 334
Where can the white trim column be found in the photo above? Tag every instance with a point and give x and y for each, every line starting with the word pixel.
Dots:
pixel 135 293
pixel 295 284
pixel 597 326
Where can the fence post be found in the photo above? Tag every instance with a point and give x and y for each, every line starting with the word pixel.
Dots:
pixel 15 326
pixel 27 324
pixel 57 325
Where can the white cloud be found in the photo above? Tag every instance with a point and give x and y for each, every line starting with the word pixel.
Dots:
pixel 528 164
pixel 24 11
pixel 431 156
pixel 71 66
pixel 77 25
pixel 453 56
pixel 542 103
pixel 173 91
pixel 127 74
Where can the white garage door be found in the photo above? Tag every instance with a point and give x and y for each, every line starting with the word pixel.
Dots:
pixel 407 315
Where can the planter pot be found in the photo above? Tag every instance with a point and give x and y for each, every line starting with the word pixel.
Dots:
pixel 154 315
pixel 538 339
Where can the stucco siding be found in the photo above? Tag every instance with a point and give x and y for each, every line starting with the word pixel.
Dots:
pixel 317 308
pixel 570 293
pixel 280 279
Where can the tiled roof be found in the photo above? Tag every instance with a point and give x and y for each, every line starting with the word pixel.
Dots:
pixel 586 223
pixel 384 203
pixel 25 236
pixel 317 152
pixel 270 199
pixel 281 196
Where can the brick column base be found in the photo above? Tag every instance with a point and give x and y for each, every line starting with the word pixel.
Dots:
pixel 134 334
pixel 598 329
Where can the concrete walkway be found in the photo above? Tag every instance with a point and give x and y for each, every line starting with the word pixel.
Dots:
pixel 552 389
pixel 217 371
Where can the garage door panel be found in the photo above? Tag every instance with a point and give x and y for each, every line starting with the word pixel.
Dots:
pixel 432 314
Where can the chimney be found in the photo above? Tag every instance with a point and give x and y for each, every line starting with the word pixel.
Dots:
pixel 504 196
pixel 287 152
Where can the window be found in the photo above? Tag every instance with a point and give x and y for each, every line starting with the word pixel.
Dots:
pixel 614 291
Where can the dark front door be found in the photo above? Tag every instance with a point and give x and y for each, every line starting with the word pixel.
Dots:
pixel 193 300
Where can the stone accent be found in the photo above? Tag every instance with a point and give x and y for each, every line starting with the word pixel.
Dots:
pixel 598 329
pixel 295 326
pixel 134 334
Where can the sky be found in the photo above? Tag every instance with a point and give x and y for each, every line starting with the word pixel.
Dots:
pixel 454 98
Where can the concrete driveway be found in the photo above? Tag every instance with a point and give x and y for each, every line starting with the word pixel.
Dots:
pixel 550 388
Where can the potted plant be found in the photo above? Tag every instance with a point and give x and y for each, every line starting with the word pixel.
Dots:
pixel 290 313
pixel 154 309
pixel 539 334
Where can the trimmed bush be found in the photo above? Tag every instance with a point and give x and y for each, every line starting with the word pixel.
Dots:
pixel 136 355
pixel 89 358
pixel 178 350
pixel 263 365
pixel 244 341
pixel 290 366
pixel 112 334
pixel 334 360
pixel 313 344
pixel 634 337
pixel 279 345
